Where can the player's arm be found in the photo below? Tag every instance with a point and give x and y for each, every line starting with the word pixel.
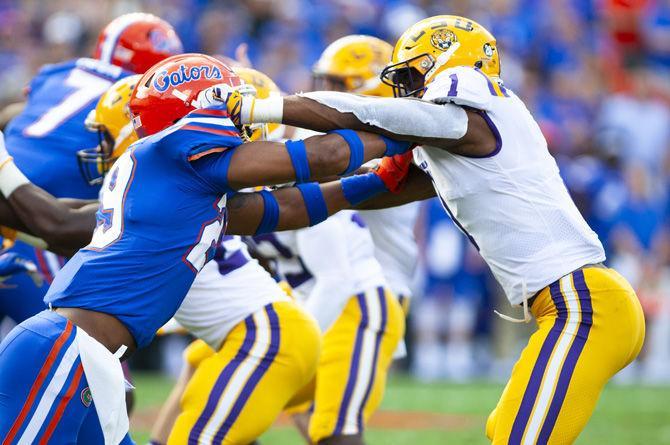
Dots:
pixel 308 204
pixel 452 127
pixel 335 154
pixel 63 228
pixel 417 187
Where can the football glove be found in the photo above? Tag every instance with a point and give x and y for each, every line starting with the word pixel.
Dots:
pixel 12 263
pixel 392 170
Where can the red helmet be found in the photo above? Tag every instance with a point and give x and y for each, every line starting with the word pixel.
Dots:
pixel 165 92
pixel 137 41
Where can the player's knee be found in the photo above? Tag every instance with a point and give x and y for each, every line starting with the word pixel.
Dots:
pixel 491 424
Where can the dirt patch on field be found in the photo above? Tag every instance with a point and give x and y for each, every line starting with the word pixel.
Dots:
pixel 386 420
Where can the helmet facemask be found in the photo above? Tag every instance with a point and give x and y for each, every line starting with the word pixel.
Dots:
pixel 408 78
pixel 94 163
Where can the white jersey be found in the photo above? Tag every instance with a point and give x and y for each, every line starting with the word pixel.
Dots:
pixel 325 264
pixel 392 231
pixel 513 205
pixel 227 290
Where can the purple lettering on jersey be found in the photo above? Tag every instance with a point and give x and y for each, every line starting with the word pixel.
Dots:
pixel 453 89
pixel 164 79
pixel 356 218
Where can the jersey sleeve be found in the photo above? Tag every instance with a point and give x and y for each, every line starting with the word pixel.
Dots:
pixel 464 86
pixel 203 140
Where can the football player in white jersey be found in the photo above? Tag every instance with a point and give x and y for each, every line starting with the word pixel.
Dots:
pixel 333 271
pixel 488 162
pixel 353 64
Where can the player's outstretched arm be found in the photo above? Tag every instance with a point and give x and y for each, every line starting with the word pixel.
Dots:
pixel 309 204
pixel 417 187
pixel 335 154
pixel 448 126
pixel 65 229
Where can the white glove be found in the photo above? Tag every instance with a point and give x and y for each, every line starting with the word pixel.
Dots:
pixel 4 154
pixel 216 95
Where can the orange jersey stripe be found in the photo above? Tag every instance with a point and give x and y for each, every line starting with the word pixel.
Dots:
pixel 48 364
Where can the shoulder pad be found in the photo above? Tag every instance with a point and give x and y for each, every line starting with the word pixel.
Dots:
pixel 199 133
pixel 464 86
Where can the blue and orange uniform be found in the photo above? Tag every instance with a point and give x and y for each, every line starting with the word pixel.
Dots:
pixel 161 216
pixel 43 140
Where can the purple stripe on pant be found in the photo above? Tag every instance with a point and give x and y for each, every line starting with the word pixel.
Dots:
pixel 259 372
pixel 382 330
pixel 573 355
pixel 353 369
pixel 222 381
pixel 535 381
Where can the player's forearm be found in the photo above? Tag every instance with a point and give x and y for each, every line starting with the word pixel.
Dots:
pixel 63 228
pixel 297 207
pixel 417 187
pixel 418 121
pixel 317 157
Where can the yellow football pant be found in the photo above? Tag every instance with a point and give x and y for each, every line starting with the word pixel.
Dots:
pixel 590 326
pixel 237 393
pixel 357 352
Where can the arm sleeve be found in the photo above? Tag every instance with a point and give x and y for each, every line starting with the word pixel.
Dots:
pixel 213 169
pixel 401 116
pixel 324 252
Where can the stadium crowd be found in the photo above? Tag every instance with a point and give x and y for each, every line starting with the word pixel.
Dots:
pixel 595 73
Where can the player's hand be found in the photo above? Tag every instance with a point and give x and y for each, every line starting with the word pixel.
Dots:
pixel 231 97
pixel 393 170
pixel 12 263
pixel 4 154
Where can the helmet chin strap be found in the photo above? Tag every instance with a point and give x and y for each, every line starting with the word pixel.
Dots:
pixel 441 60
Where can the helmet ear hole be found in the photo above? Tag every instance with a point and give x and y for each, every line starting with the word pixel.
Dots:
pixel 479 64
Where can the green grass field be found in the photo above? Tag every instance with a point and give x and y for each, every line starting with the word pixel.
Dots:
pixel 432 414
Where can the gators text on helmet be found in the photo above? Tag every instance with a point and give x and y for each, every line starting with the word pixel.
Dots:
pixel 169 89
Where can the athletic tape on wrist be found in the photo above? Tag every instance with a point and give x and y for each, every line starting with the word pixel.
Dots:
pixel 270 218
pixel 314 202
pixel 359 188
pixel 298 154
pixel 394 147
pixel 356 149
pixel 11 178
pixel 261 111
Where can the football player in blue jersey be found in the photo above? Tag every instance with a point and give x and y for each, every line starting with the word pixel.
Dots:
pixel 163 207
pixel 49 128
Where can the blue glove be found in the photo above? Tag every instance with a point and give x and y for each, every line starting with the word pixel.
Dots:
pixel 12 263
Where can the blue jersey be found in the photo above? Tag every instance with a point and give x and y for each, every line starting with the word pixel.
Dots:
pixel 161 216
pixel 46 136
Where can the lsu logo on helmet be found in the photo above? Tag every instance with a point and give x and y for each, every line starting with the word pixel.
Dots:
pixel 167 79
pixel 442 39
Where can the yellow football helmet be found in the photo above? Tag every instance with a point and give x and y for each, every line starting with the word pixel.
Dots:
pixel 265 87
pixel 111 120
pixel 435 44
pixel 353 64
